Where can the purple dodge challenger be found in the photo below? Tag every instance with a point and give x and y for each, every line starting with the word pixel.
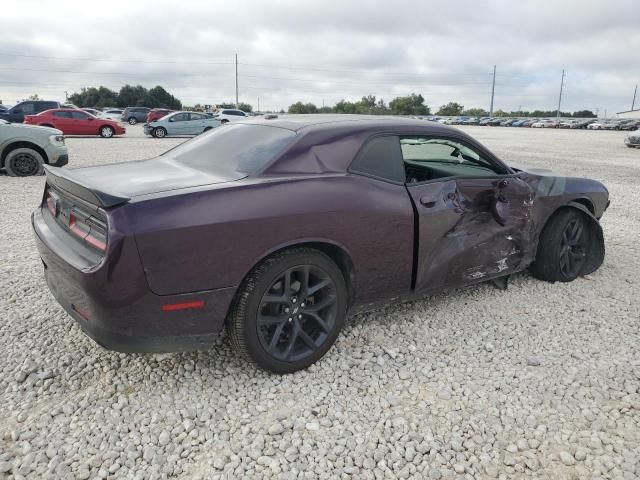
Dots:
pixel 276 228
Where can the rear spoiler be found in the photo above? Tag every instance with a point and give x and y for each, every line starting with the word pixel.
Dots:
pixel 67 181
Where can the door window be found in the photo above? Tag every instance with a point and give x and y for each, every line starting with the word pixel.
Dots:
pixel 197 116
pixel 429 158
pixel 27 108
pixel 62 114
pixel 79 116
pixel 180 117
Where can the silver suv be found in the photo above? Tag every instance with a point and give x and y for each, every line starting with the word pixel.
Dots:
pixel 26 149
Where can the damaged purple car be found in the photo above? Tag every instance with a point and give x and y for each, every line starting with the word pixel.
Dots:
pixel 275 228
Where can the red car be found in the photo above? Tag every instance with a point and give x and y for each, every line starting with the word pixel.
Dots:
pixel 157 114
pixel 75 122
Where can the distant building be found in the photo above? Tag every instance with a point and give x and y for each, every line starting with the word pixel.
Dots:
pixel 629 114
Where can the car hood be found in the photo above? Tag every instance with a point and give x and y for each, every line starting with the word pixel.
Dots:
pixel 26 127
pixel 143 177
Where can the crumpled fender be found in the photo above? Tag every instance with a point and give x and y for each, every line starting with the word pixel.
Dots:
pixel 595 255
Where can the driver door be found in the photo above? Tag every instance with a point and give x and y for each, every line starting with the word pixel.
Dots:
pixel 473 215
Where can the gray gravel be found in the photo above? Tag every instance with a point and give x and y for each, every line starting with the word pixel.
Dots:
pixel 540 381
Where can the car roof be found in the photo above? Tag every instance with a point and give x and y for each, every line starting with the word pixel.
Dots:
pixel 297 122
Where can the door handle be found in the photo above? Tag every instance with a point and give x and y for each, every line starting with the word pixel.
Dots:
pixel 428 202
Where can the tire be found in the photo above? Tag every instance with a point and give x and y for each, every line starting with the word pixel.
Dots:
pixel 224 121
pixel 159 132
pixel 106 131
pixel 206 129
pixel 132 120
pixel 263 319
pixel 565 248
pixel 24 162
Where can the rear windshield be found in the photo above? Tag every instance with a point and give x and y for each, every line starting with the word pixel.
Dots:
pixel 231 149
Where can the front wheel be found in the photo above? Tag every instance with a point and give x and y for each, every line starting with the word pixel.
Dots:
pixel 565 245
pixel 106 132
pixel 159 132
pixel 289 310
pixel 24 162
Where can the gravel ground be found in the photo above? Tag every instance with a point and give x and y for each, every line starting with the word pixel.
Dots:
pixel 540 381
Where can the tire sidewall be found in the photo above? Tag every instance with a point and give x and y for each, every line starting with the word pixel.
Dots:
pixel 265 280
pixel 38 157
pixel 156 132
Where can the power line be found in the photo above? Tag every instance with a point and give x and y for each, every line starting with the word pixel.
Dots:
pixel 85 59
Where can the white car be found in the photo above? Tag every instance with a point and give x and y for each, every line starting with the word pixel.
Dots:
pixel 113 114
pixel 546 123
pixel 596 126
pixel 227 115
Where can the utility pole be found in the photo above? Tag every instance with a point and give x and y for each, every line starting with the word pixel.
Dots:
pixel 560 97
pixel 237 104
pixel 633 104
pixel 493 90
pixel 258 103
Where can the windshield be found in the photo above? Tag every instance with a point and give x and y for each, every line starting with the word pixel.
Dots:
pixel 232 149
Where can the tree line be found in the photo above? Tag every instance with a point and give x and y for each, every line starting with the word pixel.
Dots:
pixel 128 96
pixel 414 104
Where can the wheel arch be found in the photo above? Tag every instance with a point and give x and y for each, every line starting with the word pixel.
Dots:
pixel 338 253
pixel 22 144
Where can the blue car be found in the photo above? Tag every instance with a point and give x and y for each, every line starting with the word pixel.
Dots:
pixel 181 123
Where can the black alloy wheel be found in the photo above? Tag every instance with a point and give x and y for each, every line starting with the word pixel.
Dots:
pixel 289 310
pixel 573 248
pixel 297 313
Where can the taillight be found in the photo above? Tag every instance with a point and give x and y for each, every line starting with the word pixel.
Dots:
pixel 89 229
pixel 52 203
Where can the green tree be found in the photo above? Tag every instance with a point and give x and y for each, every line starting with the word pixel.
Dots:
pixel 300 107
pixel 584 114
pixel 409 105
pixel 245 107
pixel 131 96
pixel 451 109
pixel 94 97
pixel 159 97
pixel 35 96
pixel 475 112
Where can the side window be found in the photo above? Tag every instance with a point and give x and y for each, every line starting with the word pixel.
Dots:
pixel 46 106
pixel 62 114
pixel 196 116
pixel 79 116
pixel 380 157
pixel 27 108
pixel 180 117
pixel 429 158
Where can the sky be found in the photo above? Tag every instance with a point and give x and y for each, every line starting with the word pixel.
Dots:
pixel 328 50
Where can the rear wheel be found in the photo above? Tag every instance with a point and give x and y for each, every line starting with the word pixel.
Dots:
pixel 564 246
pixel 106 131
pixel 289 310
pixel 24 162
pixel 159 132
pixel 133 120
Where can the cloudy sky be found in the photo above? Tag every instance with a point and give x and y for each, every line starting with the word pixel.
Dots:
pixel 327 50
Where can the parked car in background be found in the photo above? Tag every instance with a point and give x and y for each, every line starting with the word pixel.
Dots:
pixel 485 121
pixel 4 108
pixel 157 113
pixel 520 122
pixel 274 230
pixel 133 115
pixel 632 139
pixel 227 115
pixel 76 122
pixel 545 123
pixel 630 125
pixel 582 124
pixel 112 114
pixel 92 111
pixel 495 122
pixel 17 113
pixel 181 123
pixel 25 149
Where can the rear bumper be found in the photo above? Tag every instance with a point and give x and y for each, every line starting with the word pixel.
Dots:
pixel 113 305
